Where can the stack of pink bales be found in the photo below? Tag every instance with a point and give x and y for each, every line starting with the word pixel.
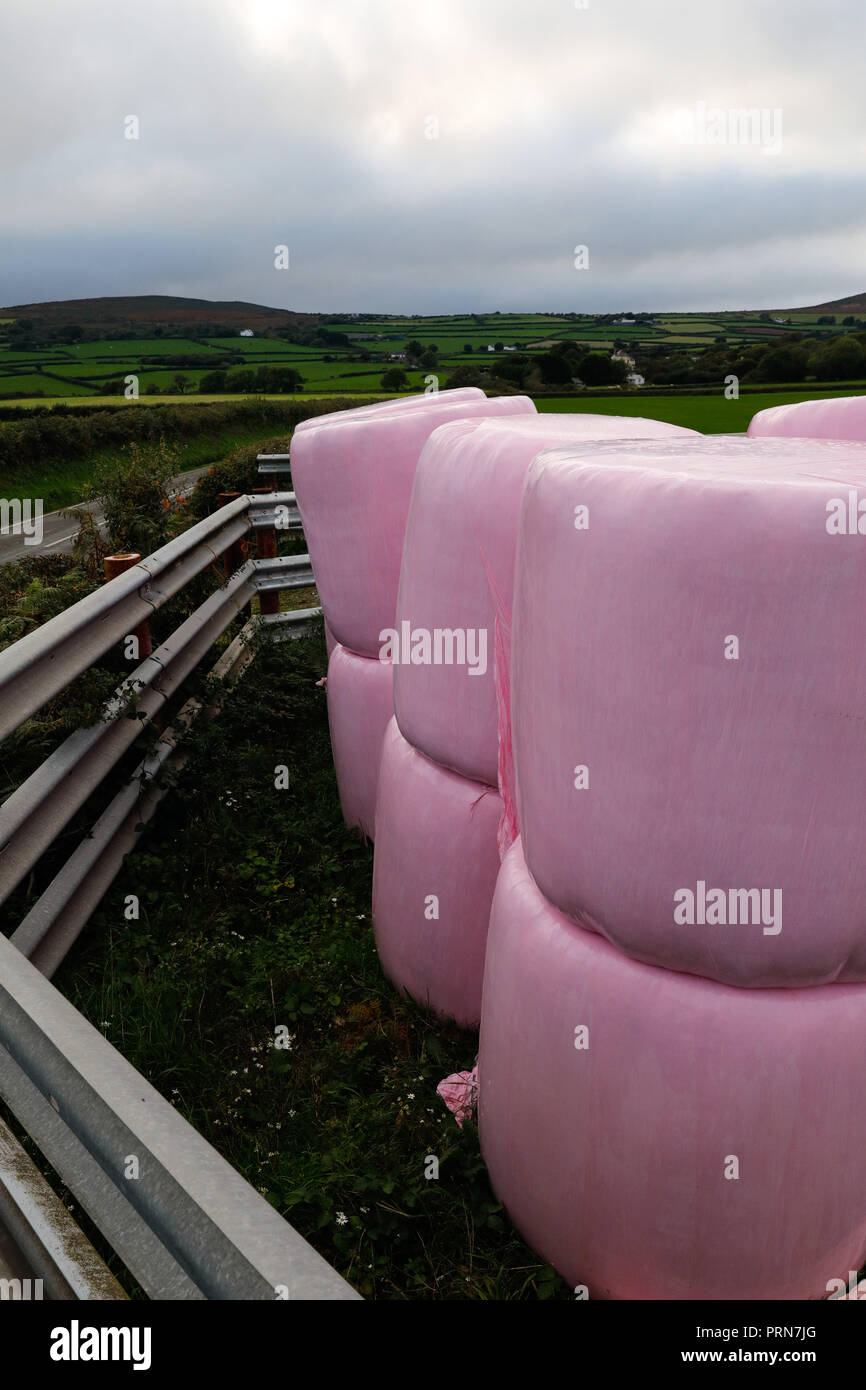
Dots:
pixel 628 702
pixel 446 806
pixel 352 473
pixel 672 1095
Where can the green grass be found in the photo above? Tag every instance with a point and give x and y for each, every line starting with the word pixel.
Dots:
pixel 93 370
pixel 254 347
pixel 47 355
pixel 130 348
pixel 35 381
pixel 193 398
pixel 708 414
pixel 255 913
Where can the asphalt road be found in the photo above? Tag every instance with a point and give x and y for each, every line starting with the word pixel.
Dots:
pixel 58 532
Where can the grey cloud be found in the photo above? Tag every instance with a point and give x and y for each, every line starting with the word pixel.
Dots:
pixel 265 122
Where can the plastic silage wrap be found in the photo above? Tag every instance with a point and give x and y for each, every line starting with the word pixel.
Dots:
pixel 843 417
pixel 657 1136
pixel 434 871
pixel 365 412
pixel 360 703
pixel 395 407
pixel 458 576
pixel 353 481
pixel 689 702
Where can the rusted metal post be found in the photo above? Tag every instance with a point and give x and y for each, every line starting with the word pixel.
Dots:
pixel 115 565
pixel 234 555
pixel 266 549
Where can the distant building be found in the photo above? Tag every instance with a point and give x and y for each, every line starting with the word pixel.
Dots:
pixel 635 379
pixel 396 357
pixel 622 356
pixel 625 320
pixel 247 333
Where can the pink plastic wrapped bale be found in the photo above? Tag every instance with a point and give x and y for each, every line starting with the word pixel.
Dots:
pixel 689 698
pixel 457 579
pixel 353 481
pixel 843 417
pixel 434 871
pixel 657 1136
pixel 395 407
pixel 360 703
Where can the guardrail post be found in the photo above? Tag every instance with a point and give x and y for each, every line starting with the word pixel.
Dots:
pixel 234 555
pixel 115 565
pixel 266 549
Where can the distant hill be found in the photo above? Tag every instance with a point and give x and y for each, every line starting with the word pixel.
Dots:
pixel 113 313
pixel 854 304
pixel 116 311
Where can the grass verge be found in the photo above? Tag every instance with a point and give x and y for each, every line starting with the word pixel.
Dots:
pixel 62 482
pixel 255 913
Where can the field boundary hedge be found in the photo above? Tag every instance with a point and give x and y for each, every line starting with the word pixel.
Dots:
pixel 71 433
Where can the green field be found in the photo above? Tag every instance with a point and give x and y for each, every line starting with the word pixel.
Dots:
pixel 80 369
pixel 710 413
pixel 144 347
pixel 31 382
pixel 95 402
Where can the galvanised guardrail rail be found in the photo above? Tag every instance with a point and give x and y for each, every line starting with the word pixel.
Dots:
pixel 274 465
pixel 181 1219
pixel 44 662
pixel 43 1252
pixel 184 1223
pixel 34 669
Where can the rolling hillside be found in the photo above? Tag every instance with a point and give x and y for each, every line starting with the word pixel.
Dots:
pixel 116 311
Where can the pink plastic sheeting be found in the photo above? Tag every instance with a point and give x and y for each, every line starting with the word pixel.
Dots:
pixel 353 483
pixel 360 703
pixel 396 407
pixel 434 871
pixel 458 575
pixel 330 640
pixel 720 832
pixel 843 417
pixel 460 1093
pixel 610 1148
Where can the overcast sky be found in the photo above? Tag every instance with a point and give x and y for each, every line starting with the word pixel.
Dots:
pixel 433 155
